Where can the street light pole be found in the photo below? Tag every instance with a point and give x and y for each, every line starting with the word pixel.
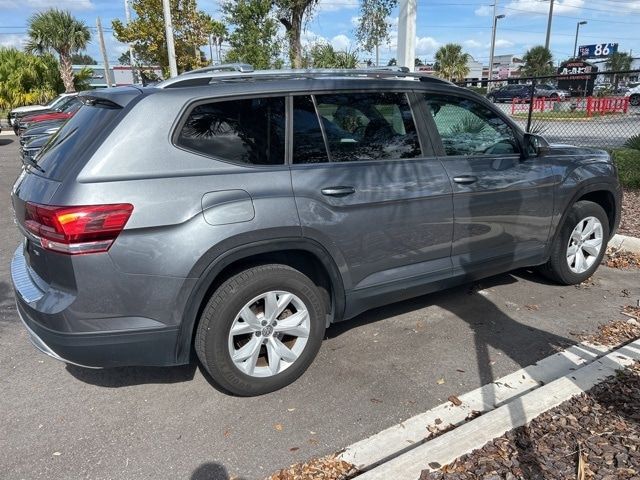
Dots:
pixel 171 49
pixel 575 45
pixel 546 43
pixel 493 48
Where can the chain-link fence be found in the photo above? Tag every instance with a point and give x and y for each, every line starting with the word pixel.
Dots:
pixel 587 109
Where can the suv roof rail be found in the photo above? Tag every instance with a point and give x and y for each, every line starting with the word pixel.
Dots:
pixel 209 77
pixel 223 67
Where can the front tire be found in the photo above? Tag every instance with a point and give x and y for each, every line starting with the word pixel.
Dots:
pixel 634 100
pixel 580 245
pixel 261 329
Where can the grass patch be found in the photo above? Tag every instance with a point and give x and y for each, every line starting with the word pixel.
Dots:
pixel 553 115
pixel 628 162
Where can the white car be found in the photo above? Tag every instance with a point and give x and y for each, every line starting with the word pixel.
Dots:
pixel 21 111
pixel 634 96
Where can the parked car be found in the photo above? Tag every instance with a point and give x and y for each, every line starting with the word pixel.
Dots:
pixel 551 92
pixel 507 93
pixel 54 105
pixel 30 150
pixel 39 130
pixel 65 113
pixel 634 96
pixel 257 209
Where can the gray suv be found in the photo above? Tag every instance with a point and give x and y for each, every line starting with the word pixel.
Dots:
pixel 237 215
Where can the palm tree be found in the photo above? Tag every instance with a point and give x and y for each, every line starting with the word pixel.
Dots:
pixel 451 62
pixel 219 33
pixel 58 31
pixel 538 62
pixel 618 61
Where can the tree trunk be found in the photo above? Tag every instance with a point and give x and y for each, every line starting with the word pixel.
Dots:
pixel 66 72
pixel 377 55
pixel 294 30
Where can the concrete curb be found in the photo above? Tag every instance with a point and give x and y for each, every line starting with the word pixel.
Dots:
pixel 474 434
pixel 623 242
pixel 398 439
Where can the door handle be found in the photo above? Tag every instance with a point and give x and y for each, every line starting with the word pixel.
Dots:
pixel 340 191
pixel 465 179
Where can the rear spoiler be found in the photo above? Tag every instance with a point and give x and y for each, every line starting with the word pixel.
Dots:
pixel 117 97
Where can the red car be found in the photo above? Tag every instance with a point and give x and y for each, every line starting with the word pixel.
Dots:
pixel 64 114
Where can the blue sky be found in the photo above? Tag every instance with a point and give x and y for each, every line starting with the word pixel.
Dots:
pixel 462 21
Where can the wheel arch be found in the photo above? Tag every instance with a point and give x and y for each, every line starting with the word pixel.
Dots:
pixel 604 194
pixel 304 254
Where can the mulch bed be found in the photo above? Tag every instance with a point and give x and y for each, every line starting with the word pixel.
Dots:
pixel 630 222
pixel 595 435
pixel 618 258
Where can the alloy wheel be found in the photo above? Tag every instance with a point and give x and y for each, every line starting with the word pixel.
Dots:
pixel 585 244
pixel 269 334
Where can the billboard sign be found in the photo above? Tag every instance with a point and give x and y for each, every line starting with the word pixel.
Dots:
pixel 577 77
pixel 598 50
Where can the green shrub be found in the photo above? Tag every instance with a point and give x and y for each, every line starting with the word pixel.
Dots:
pixel 633 142
pixel 628 162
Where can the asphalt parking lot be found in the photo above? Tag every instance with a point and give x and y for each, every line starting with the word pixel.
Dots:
pixel 64 422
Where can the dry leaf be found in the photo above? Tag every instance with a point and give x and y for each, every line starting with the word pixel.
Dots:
pixel 455 400
pixel 226 433
pixel 532 308
pixel 278 427
pixel 375 400
pixel 294 449
pixel 440 381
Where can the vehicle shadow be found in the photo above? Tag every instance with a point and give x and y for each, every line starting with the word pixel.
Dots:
pixel 6 141
pixel 128 376
pixel 212 471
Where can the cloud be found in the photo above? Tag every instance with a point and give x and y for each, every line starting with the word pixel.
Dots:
pixel 426 45
pixel 519 7
pixel 504 43
pixel 13 40
pixel 335 5
pixel 341 42
pixel 472 43
pixel 75 5
pixel 484 11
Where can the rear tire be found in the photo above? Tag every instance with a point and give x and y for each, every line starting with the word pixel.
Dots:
pixel 634 100
pixel 247 317
pixel 579 245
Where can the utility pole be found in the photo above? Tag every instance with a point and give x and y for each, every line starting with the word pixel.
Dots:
pixel 546 43
pixel 211 48
pixel 407 34
pixel 105 59
pixel 171 49
pixel 131 61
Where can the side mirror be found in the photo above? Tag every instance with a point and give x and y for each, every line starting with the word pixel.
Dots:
pixel 532 145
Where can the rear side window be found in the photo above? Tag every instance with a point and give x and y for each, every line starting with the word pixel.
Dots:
pixel 354 127
pixel 249 131
pixel 73 139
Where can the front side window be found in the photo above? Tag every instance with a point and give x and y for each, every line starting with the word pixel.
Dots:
pixel 249 131
pixel 470 128
pixel 355 127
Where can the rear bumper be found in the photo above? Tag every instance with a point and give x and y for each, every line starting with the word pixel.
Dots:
pixel 127 345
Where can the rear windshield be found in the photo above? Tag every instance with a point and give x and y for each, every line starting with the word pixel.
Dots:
pixel 74 138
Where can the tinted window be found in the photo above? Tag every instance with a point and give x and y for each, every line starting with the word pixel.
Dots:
pixel 242 131
pixel 357 126
pixel 73 139
pixel 308 142
pixel 470 128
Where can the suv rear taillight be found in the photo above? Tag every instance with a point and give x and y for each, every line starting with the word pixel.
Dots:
pixel 75 230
